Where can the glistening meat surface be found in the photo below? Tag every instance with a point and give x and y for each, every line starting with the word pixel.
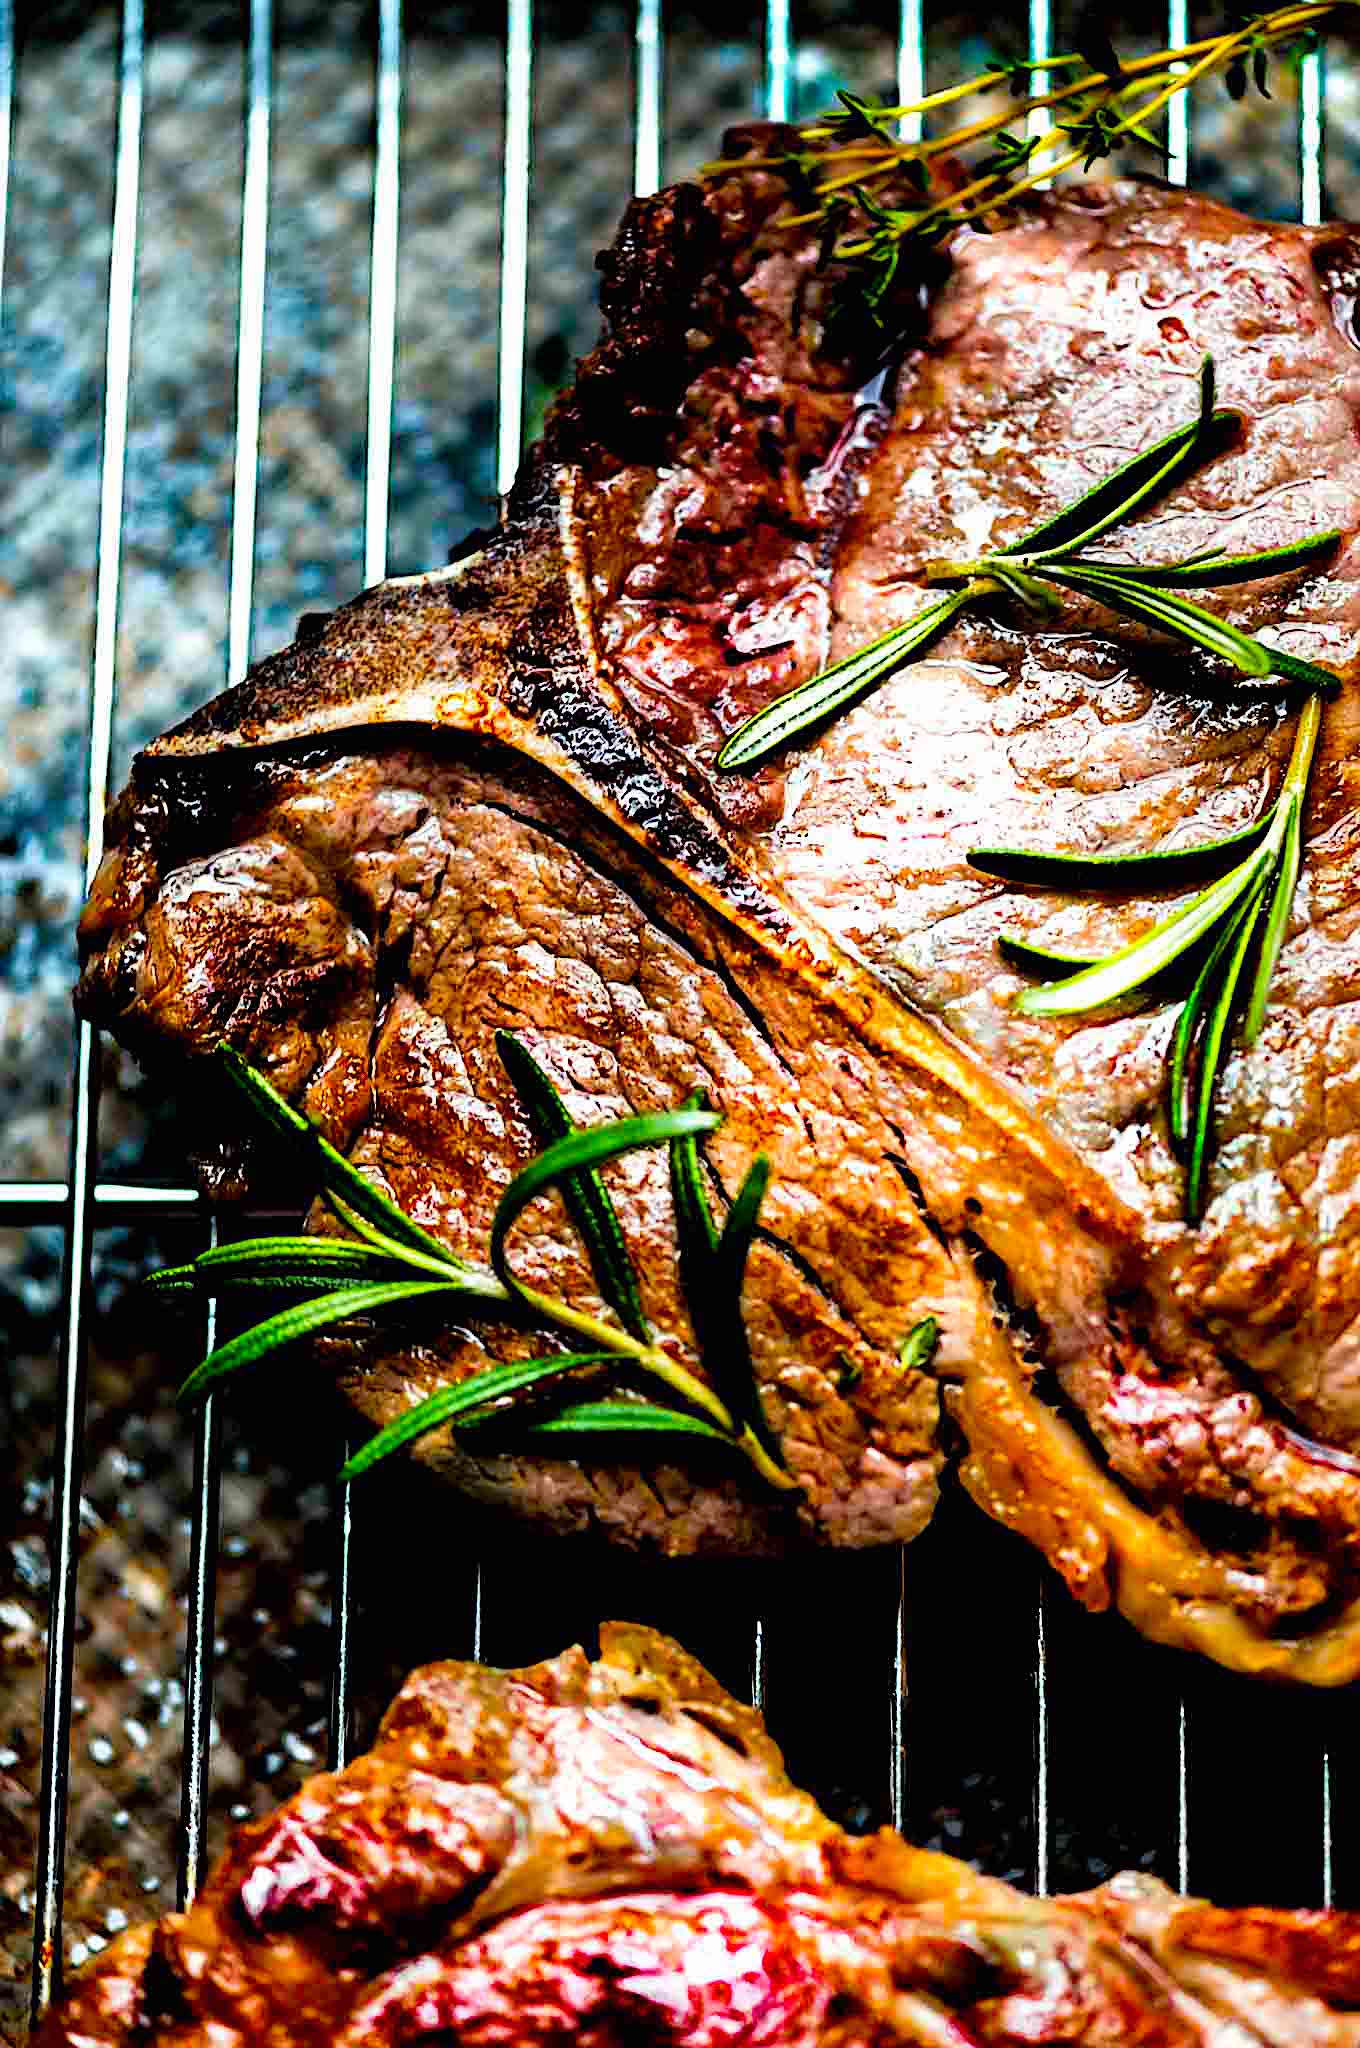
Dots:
pixel 611 1854
pixel 722 503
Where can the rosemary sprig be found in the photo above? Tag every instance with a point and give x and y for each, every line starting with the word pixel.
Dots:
pixel 1052 559
pixel 1245 911
pixel 1100 104
pixel 391 1262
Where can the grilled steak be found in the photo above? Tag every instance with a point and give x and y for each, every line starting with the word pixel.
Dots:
pixel 488 797
pixel 611 1853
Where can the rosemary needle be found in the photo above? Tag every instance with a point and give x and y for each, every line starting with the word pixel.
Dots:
pixel 1245 910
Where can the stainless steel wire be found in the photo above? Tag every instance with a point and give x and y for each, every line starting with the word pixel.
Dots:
pixel 1042 1818
pixel 382 299
pixel 43 1201
pixel 199 1630
pixel 1039 122
pixel 205 1519
pixel 339 1729
pixel 1312 202
pixel 68 1461
pixel 1178 172
pixel 1040 119
pixel 1178 112
pixel 648 59
pixel 778 61
pixel 911 64
pixel 6 121
pixel 514 238
pixel 911 86
pixel 898 1698
pixel 778 90
pixel 382 373
pixel 250 338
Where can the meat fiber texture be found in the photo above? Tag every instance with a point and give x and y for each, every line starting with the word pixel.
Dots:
pixel 487 797
pixel 611 1853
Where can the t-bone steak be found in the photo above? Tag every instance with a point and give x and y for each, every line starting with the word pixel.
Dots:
pixel 487 797
pixel 610 1855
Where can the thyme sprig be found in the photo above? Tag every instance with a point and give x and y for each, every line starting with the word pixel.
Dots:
pixel 1240 918
pixel 1099 105
pixel 1052 559
pixel 390 1262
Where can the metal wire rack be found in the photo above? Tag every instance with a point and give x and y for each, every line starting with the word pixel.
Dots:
pixel 84 1201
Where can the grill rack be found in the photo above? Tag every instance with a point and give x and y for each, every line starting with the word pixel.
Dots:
pixel 83 1201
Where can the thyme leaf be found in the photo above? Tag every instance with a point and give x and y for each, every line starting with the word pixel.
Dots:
pixel 1097 104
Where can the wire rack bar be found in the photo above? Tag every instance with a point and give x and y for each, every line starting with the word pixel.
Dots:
pixel 778 87
pixel 911 64
pixel 1040 119
pixel 1042 1817
pixel 6 118
pixel 911 86
pixel 649 63
pixel 69 1449
pixel 898 1699
pixel 205 1514
pixel 1039 122
pixel 1312 202
pixel 382 292
pixel 514 237
pixel 382 369
pixel 199 1630
pixel 1178 112
pixel 1312 138
pixel 516 179
pixel 1178 172
pixel 44 1201
pixel 250 338
pixel 339 1732
pixel 778 61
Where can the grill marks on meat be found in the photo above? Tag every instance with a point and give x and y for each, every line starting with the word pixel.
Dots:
pixel 610 1853
pixel 358 916
pixel 481 898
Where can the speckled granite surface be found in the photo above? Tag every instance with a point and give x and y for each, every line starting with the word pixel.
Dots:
pixel 971 1714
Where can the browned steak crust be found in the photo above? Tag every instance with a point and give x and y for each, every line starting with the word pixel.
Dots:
pixel 611 1853
pixel 540 838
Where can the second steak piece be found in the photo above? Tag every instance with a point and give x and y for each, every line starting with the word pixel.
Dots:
pixel 610 1854
pixel 721 504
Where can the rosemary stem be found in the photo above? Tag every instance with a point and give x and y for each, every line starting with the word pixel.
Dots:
pixel 604 1336
pixel 1306 733
pixel 775 1475
pixel 472 1279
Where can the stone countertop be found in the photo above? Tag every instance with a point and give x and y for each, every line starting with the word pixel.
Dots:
pixel 171 656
